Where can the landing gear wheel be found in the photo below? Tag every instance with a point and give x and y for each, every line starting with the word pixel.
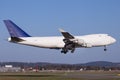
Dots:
pixel 72 51
pixel 64 51
pixel 105 49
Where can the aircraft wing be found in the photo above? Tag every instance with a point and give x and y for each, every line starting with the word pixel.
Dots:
pixel 69 45
pixel 66 34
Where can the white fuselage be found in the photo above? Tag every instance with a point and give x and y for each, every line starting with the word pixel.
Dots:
pixel 95 40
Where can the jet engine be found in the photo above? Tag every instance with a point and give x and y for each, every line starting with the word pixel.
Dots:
pixel 78 41
pixel 88 45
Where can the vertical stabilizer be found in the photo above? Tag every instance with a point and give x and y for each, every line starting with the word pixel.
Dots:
pixel 14 30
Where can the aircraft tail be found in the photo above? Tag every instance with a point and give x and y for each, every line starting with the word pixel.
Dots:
pixel 14 30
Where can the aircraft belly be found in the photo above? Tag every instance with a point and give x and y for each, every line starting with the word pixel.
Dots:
pixel 44 44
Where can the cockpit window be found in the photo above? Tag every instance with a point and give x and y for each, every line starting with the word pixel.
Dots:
pixel 100 35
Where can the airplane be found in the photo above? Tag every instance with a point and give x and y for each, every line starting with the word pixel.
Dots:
pixel 67 42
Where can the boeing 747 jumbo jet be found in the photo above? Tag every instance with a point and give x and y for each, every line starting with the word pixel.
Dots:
pixel 66 43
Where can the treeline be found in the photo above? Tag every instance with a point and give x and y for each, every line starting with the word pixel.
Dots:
pixel 99 65
pixel 75 67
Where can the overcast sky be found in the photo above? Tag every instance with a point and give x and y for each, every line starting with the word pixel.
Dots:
pixel 44 17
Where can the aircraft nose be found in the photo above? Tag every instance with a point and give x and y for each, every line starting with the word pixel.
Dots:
pixel 113 40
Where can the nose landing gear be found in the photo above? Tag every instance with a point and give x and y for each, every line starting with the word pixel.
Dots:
pixel 105 49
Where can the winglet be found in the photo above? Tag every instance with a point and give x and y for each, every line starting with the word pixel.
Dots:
pixel 14 30
pixel 61 30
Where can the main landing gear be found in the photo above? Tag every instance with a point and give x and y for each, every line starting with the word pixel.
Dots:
pixel 65 50
pixel 67 47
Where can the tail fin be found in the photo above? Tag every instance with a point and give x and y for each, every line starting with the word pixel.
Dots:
pixel 14 30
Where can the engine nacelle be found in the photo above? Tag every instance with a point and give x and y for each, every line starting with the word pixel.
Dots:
pixel 88 45
pixel 78 41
